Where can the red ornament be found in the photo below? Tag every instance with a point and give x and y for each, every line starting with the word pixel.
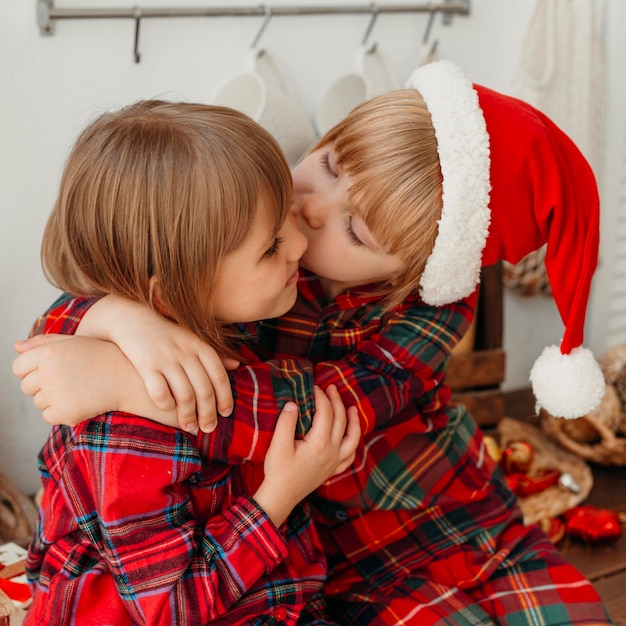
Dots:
pixel 517 457
pixel 16 591
pixel 592 524
pixel 513 481
pixel 524 485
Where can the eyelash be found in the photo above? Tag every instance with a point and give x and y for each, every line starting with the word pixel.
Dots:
pixel 349 231
pixel 326 163
pixel 274 248
pixel 352 236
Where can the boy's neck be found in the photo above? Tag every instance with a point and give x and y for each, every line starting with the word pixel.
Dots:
pixel 331 288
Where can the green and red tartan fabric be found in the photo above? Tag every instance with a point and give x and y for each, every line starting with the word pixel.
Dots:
pixel 424 525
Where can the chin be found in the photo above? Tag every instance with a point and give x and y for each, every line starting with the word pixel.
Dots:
pixel 293 296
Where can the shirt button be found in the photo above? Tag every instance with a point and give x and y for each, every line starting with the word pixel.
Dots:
pixel 341 516
pixel 194 478
pixel 280 613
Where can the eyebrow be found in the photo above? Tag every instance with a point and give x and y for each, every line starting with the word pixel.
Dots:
pixel 266 244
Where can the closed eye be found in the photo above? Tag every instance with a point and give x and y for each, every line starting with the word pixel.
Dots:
pixel 325 158
pixel 352 236
pixel 274 248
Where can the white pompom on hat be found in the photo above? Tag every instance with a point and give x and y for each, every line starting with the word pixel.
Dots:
pixel 512 182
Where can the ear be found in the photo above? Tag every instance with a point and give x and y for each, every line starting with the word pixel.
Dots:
pixel 156 295
pixel 398 277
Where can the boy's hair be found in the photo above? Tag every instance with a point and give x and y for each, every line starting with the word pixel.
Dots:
pixel 162 189
pixel 387 146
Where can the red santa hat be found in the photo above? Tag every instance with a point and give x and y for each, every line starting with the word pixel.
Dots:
pixel 512 182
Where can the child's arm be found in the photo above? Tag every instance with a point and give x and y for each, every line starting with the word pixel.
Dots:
pixel 399 366
pixel 72 378
pixel 183 373
pixel 401 363
pixel 128 468
pixel 190 383
pixel 327 449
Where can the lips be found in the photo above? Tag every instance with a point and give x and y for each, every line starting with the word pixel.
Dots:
pixel 293 279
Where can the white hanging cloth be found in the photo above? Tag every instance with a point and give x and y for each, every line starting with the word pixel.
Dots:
pixel 562 73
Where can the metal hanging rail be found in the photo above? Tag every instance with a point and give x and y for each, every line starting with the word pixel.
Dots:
pixel 47 13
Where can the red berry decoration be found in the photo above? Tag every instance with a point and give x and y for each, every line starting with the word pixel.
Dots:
pixel 592 524
pixel 517 457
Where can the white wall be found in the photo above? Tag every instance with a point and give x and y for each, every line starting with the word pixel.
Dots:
pixel 51 86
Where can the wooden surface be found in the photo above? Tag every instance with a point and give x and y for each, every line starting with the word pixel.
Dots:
pixel 476 372
pixel 603 564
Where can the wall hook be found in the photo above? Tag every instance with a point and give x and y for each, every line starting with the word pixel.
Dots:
pixel 428 52
pixel 429 25
pixel 137 16
pixel 370 27
pixel 46 25
pixel 268 16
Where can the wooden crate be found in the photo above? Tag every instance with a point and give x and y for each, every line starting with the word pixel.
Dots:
pixel 475 374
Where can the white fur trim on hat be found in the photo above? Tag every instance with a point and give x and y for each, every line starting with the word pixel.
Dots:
pixel 453 268
pixel 567 385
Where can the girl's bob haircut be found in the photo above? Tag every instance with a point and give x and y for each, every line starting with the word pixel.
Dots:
pixel 166 190
pixel 388 147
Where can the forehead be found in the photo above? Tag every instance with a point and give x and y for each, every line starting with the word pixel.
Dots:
pixel 266 222
pixel 273 207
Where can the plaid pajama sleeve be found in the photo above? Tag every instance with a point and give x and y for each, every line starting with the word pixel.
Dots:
pixel 137 528
pixel 383 363
pixel 63 316
pixel 390 366
pixel 121 496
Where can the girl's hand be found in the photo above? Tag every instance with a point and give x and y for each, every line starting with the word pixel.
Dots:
pixel 295 468
pixel 180 371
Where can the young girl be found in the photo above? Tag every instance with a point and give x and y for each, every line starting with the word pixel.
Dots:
pixel 183 207
pixel 423 528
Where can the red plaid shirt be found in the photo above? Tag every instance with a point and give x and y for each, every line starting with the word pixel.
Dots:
pixel 137 527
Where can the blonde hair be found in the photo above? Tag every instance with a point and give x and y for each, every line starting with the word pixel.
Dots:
pixel 387 146
pixel 162 189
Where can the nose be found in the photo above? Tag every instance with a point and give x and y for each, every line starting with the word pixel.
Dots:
pixel 297 241
pixel 312 211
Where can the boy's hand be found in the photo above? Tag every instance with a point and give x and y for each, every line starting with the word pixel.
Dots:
pixel 62 375
pixel 180 371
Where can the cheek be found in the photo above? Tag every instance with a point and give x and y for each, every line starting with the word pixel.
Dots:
pixel 325 242
pixel 301 174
